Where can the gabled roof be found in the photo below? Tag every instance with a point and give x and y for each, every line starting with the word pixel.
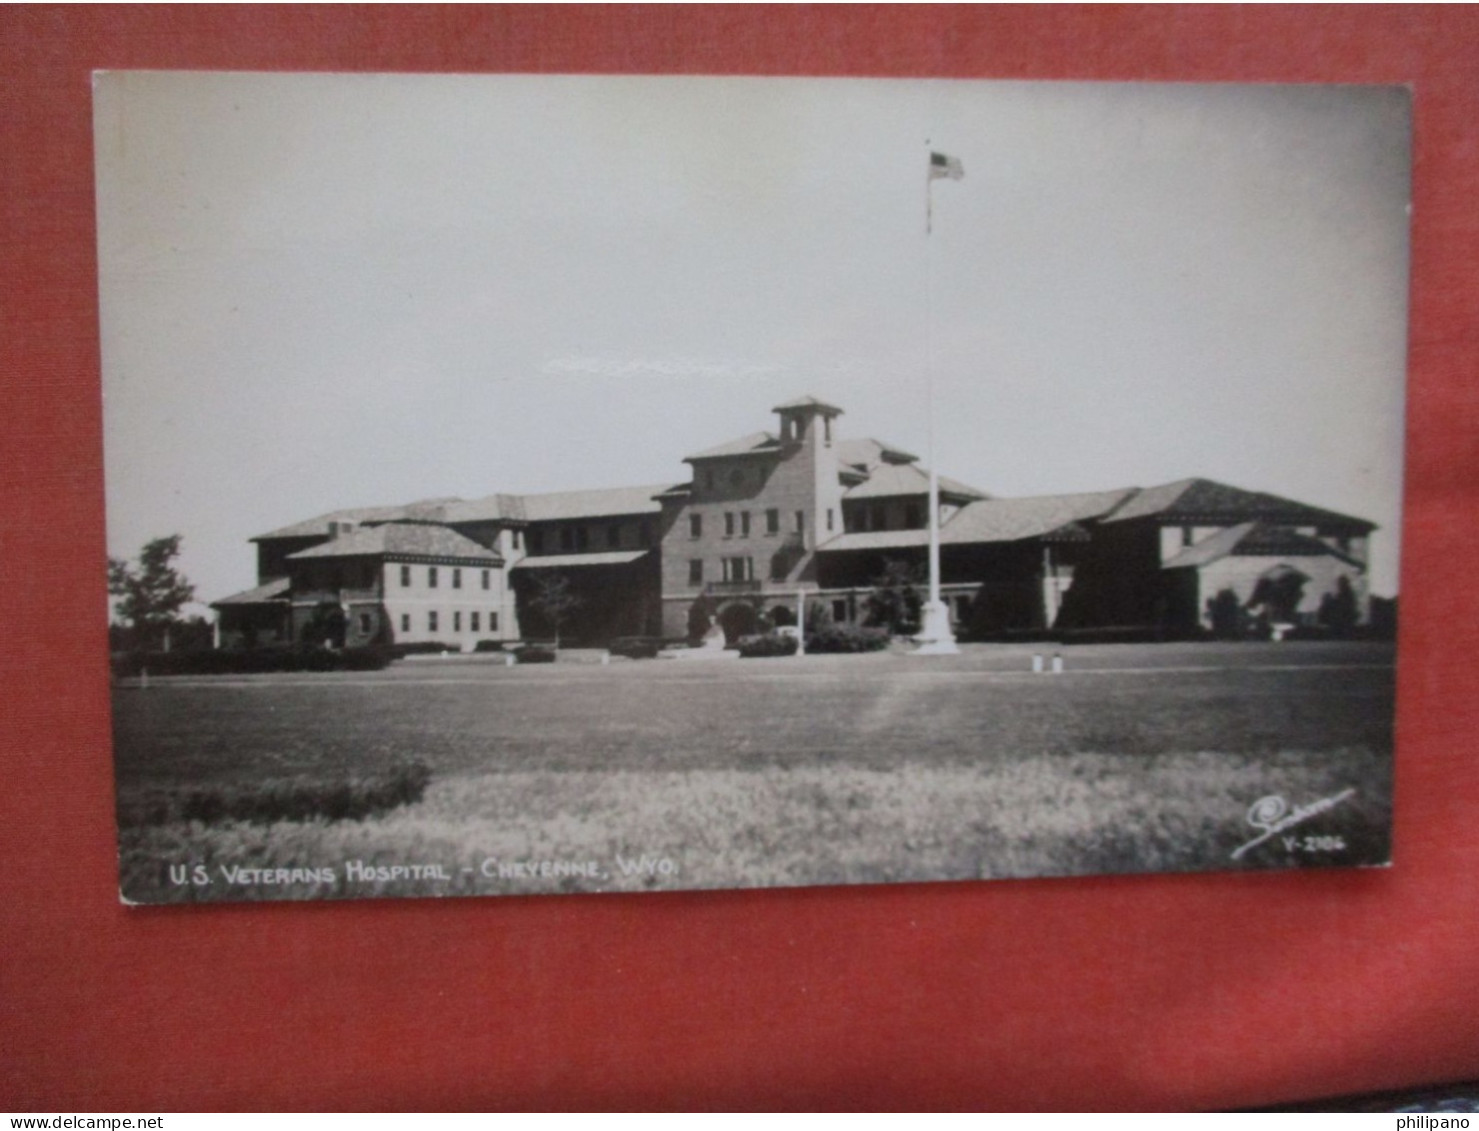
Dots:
pixel 868 453
pixel 753 444
pixel 1010 520
pixel 262 595
pixel 1254 539
pixel 891 479
pixel 996 520
pixel 606 502
pixel 312 527
pixel 1194 501
pixel 489 508
pixel 401 539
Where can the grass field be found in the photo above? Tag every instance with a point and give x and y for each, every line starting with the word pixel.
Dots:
pixel 827 769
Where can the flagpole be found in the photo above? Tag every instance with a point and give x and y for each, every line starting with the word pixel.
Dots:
pixel 935 636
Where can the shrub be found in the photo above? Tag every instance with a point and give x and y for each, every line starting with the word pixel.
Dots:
pixel 534 654
pixel 252 661
pixel 636 647
pixel 770 644
pixel 424 648
pixel 488 646
pixel 844 638
pixel 285 799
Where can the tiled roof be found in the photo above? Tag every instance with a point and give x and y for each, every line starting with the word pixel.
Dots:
pixel 1008 520
pixel 395 539
pixel 875 540
pixel 993 520
pixel 601 503
pixel 745 445
pixel 565 561
pixel 808 402
pixel 1202 500
pixel 261 595
pixel 889 479
pixel 868 452
pixel 320 525
pixel 490 508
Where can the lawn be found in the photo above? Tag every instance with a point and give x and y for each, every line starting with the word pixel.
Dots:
pixel 827 769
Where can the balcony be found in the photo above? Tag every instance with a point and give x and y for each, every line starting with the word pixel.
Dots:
pixel 729 588
pixel 334 596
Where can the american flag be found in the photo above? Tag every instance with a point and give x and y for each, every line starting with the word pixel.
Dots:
pixel 945 168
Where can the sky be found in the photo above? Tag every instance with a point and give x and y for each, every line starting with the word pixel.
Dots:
pixel 326 291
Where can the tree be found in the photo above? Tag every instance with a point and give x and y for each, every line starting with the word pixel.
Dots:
pixel 894 603
pixel 151 594
pixel 553 599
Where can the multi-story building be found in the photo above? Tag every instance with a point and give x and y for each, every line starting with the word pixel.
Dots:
pixel 772 520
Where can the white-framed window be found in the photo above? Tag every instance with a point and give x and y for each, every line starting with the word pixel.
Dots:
pixel 739 569
pixel 405 622
pixel 487 578
pixel 696 571
pixel 431 577
pixel 405 577
pixel 431 621
pixel 456 579
pixel 472 621
pixel 457 620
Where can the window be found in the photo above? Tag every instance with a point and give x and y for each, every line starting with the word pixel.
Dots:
pixel 800 522
pixel 457 621
pixel 745 523
pixel 366 625
pixel 567 539
pixel 1188 535
pixel 913 516
pixel 739 569
pixel 696 571
pixel 827 429
pixel 405 622
pixel 472 621
pixel 431 577
pixel 709 479
pixel 487 578
pixel 878 516
pixel 729 524
pixel 536 541
pixel 839 610
pixel 772 521
pixel 582 538
pixel 695 526
pixel 613 535
pixel 405 577
pixel 456 579
pixel 646 533
pixel 829 518
pixel 431 621
pixel 492 622
pixel 516 538
pixel 737 476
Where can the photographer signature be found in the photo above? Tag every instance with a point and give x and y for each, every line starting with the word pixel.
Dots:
pixel 1273 816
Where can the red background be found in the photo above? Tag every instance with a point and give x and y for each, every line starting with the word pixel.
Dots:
pixel 1184 991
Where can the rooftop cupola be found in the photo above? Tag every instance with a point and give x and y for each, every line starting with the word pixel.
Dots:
pixel 797 416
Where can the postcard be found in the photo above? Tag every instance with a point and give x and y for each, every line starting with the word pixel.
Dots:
pixel 535 484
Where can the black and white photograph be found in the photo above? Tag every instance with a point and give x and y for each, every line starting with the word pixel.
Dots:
pixel 527 484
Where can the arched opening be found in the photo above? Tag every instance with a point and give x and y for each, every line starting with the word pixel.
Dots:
pixel 738 620
pixel 782 616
